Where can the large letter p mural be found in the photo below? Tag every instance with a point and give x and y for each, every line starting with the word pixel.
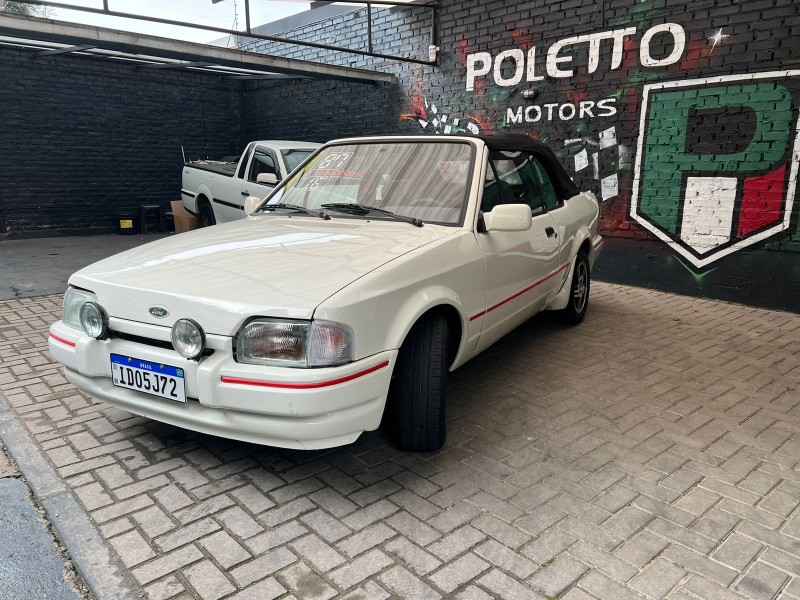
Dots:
pixel 717 162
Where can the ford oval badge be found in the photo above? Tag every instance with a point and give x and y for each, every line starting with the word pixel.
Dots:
pixel 159 312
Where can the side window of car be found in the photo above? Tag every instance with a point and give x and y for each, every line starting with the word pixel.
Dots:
pixel 516 179
pixel 262 163
pixel 551 199
pixel 492 192
pixel 243 164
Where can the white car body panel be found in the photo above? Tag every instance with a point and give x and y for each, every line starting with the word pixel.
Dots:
pixel 257 266
pixel 378 277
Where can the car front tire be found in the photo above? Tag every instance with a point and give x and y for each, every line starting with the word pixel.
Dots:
pixel 579 291
pixel 418 390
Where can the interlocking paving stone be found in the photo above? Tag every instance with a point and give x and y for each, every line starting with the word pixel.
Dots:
pixel 224 549
pixel 737 551
pixel 364 566
pixel 406 585
pixel 412 556
pixel 558 574
pixel 762 581
pixel 654 451
pixel 132 548
pixel 658 578
pixel 208 581
pixel 264 565
pixel 305 583
pixel 458 572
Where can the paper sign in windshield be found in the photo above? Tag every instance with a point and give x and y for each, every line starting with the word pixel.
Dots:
pixel 330 167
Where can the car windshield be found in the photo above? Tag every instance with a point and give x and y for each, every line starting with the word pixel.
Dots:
pixel 423 180
pixel 293 158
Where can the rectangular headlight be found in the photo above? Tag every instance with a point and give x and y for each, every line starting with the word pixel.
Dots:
pixel 73 300
pixel 290 343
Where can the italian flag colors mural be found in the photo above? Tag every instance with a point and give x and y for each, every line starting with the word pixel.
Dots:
pixel 717 161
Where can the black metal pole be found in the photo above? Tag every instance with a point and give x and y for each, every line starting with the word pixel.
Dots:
pixel 369 26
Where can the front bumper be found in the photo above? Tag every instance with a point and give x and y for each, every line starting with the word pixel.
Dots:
pixel 277 406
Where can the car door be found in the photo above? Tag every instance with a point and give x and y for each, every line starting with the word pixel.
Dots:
pixel 264 160
pixel 228 198
pixel 521 266
pixel 566 224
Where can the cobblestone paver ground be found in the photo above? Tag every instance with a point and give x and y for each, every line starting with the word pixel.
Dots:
pixel 651 452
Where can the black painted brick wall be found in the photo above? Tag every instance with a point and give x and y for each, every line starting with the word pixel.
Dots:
pixel 83 138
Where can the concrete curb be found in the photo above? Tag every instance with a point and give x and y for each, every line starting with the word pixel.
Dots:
pixel 100 568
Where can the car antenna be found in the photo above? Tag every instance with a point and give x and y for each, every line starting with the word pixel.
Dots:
pixel 182 152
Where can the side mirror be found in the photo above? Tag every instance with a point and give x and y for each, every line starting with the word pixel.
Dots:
pixel 508 217
pixel 251 203
pixel 267 178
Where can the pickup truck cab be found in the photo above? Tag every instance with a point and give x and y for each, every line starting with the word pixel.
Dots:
pixel 215 190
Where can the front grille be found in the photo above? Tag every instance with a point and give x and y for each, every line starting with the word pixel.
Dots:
pixel 118 335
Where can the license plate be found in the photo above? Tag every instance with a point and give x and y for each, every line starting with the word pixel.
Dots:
pixel 156 379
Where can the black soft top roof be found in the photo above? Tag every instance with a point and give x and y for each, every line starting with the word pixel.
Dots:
pixel 517 142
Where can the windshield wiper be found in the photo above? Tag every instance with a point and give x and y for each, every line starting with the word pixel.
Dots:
pixel 316 213
pixel 364 209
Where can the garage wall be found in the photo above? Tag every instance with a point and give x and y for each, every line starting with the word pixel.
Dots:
pixel 83 138
pixel 682 117
pixel 319 110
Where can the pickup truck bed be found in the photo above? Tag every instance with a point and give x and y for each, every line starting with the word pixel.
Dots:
pixel 214 166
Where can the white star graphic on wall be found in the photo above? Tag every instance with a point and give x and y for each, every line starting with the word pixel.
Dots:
pixel 717 38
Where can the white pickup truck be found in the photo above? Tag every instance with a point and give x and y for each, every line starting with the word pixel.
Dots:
pixel 215 190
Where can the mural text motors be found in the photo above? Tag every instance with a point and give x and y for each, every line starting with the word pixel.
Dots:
pixel 716 158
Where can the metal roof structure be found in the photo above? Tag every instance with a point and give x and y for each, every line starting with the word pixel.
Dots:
pixel 50 37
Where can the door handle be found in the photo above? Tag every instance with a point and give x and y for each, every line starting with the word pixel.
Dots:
pixel 245 193
pixel 550 232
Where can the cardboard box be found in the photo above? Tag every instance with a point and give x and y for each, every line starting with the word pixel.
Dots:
pixel 184 220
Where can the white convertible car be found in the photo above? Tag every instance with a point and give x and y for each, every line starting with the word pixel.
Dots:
pixel 350 292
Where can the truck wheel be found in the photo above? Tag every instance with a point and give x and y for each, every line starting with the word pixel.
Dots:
pixel 205 215
pixel 579 292
pixel 420 378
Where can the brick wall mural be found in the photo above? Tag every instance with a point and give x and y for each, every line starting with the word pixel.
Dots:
pixel 681 117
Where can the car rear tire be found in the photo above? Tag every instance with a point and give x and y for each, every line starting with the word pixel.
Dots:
pixel 205 215
pixel 418 389
pixel 579 291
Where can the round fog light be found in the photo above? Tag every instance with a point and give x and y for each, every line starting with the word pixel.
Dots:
pixel 188 338
pixel 93 320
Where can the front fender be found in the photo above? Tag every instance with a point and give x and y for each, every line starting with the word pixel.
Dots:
pixel 383 306
pixel 419 303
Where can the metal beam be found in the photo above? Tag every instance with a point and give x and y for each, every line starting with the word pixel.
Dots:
pixel 266 76
pixel 64 50
pixel 136 43
pixel 270 38
pixel 387 3
pixel 176 65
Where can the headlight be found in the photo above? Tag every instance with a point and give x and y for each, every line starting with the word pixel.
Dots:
pixel 188 338
pixel 94 320
pixel 288 343
pixel 73 300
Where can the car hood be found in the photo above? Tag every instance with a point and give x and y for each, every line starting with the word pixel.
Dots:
pixel 263 265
